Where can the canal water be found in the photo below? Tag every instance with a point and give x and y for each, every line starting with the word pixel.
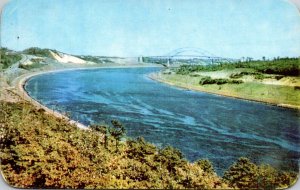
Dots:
pixel 201 125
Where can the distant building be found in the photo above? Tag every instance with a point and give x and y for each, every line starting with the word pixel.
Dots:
pixel 140 59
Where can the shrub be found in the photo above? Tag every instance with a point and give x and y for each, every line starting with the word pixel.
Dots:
pixel 236 75
pixel 34 65
pixel 39 52
pixel 206 166
pixel 242 174
pixel 236 81
pixel 7 58
pixel 278 77
pixel 259 76
pixel 246 175
pixel 209 80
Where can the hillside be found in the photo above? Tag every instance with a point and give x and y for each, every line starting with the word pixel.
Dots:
pixel 40 150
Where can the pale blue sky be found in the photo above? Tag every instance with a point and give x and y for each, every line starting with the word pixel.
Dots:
pixel 229 28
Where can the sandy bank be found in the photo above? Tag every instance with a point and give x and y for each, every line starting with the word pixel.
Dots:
pixel 20 84
pixel 157 77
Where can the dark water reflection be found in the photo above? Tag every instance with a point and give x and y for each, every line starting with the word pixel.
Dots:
pixel 200 125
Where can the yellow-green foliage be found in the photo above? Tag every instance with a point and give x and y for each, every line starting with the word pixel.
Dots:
pixel 245 174
pixel 39 150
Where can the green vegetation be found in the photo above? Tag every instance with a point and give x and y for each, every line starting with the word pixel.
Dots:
pixel 36 63
pixel 257 75
pixel 7 58
pixel 209 80
pixel 280 66
pixel 39 52
pixel 276 94
pixel 39 150
pixel 245 174
pixel 96 59
pixel 243 80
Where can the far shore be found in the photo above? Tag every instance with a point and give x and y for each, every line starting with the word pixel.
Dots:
pixel 155 76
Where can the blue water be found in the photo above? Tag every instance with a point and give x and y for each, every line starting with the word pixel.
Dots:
pixel 200 125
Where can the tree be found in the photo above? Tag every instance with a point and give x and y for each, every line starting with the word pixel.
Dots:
pixel 206 166
pixel 103 129
pixel 117 131
pixel 170 158
pixel 242 174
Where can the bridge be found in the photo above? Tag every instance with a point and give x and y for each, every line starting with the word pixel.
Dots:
pixel 190 56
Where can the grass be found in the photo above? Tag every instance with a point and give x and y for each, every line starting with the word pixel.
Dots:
pixel 39 150
pixel 7 58
pixel 39 52
pixel 249 90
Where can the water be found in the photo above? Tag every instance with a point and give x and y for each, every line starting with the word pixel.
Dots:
pixel 200 125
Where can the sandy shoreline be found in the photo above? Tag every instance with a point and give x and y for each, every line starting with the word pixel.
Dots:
pixel 20 84
pixel 154 76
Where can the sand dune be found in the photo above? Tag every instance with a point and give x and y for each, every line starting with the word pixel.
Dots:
pixel 64 58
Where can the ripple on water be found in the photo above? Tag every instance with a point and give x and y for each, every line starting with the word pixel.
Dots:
pixel 200 125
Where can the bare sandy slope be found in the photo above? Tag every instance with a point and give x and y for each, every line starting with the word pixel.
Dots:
pixel 64 58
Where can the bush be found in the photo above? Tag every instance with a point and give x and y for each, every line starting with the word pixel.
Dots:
pixel 209 80
pixel 39 52
pixel 236 75
pixel 242 174
pixel 206 166
pixel 34 65
pixel 7 58
pixel 246 175
pixel 259 76
pixel 278 77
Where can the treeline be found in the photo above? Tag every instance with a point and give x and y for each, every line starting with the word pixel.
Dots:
pixel 39 150
pixel 7 58
pixel 39 52
pixel 280 66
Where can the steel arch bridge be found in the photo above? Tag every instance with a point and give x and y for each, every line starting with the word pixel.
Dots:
pixel 190 56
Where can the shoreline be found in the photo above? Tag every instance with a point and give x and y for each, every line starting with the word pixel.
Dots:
pixel 154 77
pixel 20 82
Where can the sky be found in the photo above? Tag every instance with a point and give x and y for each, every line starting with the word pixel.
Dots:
pixel 227 28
